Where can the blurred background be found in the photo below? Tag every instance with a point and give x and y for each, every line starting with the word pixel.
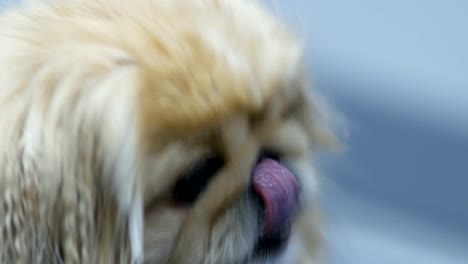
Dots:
pixel 397 71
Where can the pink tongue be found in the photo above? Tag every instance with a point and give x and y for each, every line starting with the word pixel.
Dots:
pixel 279 190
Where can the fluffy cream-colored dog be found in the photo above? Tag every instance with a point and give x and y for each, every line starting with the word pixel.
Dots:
pixel 155 131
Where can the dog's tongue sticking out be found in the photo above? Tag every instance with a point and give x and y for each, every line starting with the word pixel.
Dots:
pixel 279 191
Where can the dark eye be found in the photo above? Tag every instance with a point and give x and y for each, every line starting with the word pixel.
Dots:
pixel 195 179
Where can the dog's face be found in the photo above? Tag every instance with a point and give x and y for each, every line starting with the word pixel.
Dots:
pixel 191 121
pixel 231 193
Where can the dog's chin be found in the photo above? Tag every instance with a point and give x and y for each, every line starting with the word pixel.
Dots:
pixel 245 242
pixel 271 249
pixel 267 249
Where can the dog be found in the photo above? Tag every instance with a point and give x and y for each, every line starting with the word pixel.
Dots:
pixel 156 131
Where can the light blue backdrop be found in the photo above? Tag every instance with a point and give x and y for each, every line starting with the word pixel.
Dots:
pixel 398 70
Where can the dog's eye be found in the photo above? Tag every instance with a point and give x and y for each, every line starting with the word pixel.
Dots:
pixel 195 180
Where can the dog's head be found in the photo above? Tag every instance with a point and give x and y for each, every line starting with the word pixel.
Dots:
pixel 193 118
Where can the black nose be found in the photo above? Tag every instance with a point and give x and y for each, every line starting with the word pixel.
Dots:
pixel 268 154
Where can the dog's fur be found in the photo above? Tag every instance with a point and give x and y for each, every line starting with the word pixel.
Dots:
pixel 105 103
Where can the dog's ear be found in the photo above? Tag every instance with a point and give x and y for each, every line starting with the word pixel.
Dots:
pixel 111 113
pixel 119 138
pixel 82 121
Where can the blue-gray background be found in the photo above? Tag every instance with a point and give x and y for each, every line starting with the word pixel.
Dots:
pixel 398 72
